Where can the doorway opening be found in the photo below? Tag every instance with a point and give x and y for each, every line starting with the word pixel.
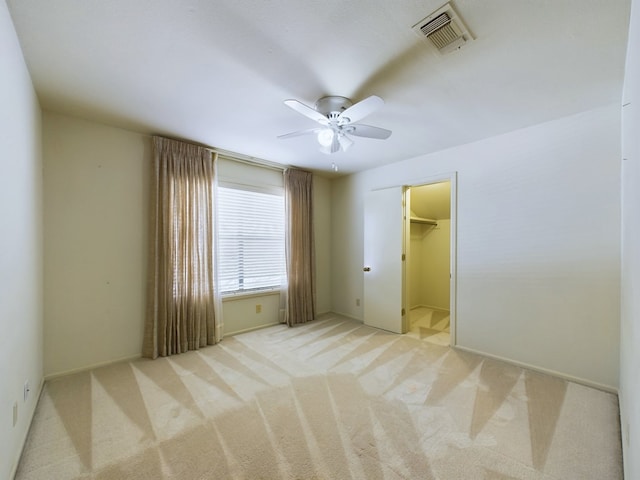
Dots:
pixel 430 261
pixel 388 279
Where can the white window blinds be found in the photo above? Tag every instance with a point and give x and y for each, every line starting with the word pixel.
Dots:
pixel 251 240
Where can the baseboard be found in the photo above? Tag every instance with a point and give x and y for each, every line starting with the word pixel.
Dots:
pixel 553 373
pixel 51 376
pixel 348 316
pixel 251 329
pixel 16 462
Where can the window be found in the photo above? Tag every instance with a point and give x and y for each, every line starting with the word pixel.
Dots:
pixel 250 240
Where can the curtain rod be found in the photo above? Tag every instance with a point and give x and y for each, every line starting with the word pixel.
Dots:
pixel 238 157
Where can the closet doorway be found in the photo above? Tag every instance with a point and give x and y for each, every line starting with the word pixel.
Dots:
pixel 430 268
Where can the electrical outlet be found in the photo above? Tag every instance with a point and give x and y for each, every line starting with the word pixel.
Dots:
pixel 258 308
pixel 15 413
pixel 357 302
pixel 27 389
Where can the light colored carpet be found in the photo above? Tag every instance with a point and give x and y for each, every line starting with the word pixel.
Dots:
pixel 331 399
pixel 430 324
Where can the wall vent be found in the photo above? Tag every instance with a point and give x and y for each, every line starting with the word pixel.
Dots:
pixel 444 29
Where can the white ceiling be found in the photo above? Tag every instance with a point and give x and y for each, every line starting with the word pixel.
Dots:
pixel 217 72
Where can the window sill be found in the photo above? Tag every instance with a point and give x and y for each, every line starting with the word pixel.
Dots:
pixel 245 295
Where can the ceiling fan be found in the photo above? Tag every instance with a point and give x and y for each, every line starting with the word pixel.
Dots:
pixel 337 117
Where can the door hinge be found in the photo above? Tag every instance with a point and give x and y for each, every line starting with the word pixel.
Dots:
pixel 404 257
pixel 403 312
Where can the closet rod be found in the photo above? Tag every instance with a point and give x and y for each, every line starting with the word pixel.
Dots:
pixel 425 221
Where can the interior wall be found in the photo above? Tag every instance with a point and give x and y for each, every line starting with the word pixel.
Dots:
pixel 630 305
pixel 538 222
pixel 96 200
pixel 322 234
pixel 96 181
pixel 347 245
pixel 434 285
pixel 20 246
pixel 429 259
pixel 415 271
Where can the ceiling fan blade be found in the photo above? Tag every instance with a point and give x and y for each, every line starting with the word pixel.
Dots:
pixel 306 111
pixel 299 132
pixel 362 108
pixel 368 131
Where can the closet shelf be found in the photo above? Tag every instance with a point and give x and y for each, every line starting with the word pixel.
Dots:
pixel 425 221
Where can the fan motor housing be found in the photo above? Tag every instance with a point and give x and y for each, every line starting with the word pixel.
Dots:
pixel 329 104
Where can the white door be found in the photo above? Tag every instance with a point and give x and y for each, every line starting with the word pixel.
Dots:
pixel 384 226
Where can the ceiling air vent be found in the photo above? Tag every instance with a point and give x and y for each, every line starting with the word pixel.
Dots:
pixel 444 29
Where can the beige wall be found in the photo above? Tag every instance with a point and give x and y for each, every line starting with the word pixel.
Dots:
pixel 538 222
pixel 347 242
pixel 322 232
pixel 429 252
pixel 630 323
pixel 415 272
pixel 20 246
pixel 96 190
pixel 429 267
pixel 246 313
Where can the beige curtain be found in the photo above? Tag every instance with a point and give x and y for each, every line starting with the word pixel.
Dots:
pixel 300 254
pixel 180 308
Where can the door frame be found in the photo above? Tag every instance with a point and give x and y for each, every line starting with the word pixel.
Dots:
pixel 451 177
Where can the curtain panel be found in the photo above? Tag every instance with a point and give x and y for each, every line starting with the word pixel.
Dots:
pixel 299 245
pixel 181 301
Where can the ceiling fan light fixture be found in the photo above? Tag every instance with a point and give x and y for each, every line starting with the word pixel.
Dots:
pixel 325 137
pixel 345 142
